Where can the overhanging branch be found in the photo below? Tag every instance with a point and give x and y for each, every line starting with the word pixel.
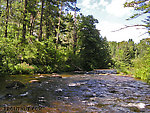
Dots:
pixel 126 26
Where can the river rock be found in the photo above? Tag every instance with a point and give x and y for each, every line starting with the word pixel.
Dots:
pixel 138 105
pixel 34 81
pixel 15 85
pixel 92 103
pixel 7 96
pixel 73 84
pixel 89 94
pixel 56 76
pixel 59 90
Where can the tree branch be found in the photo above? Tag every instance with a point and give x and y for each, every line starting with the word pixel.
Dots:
pixel 126 26
pixel 142 34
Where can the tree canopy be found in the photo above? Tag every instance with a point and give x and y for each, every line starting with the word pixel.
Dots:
pixel 142 7
pixel 42 36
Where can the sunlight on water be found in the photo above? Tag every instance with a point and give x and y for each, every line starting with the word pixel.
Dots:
pixel 74 93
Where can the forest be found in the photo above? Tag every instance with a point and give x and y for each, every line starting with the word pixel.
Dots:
pixel 131 58
pixel 46 36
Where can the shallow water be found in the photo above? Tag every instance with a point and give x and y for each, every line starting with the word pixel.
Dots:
pixel 78 93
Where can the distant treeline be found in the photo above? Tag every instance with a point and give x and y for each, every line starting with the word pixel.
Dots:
pixel 131 58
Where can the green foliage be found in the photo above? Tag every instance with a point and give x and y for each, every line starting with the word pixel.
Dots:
pixel 94 50
pixel 141 7
pixel 131 58
pixel 123 53
pixel 142 62
pixel 43 41
pixel 24 68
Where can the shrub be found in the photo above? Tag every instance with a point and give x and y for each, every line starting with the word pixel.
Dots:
pixel 25 68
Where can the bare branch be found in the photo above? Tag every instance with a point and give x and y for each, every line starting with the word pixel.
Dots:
pixel 126 26
pixel 143 34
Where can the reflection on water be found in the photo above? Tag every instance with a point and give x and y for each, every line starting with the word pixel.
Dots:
pixel 75 93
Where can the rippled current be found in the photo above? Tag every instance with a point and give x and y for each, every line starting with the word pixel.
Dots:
pixel 76 93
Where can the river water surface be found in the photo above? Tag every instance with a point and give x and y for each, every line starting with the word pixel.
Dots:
pixel 74 93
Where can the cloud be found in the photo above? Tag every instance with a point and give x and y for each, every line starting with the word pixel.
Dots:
pixel 103 3
pixel 92 4
pixel 116 8
pixel 112 16
pixel 89 4
pixel 86 3
pixel 126 34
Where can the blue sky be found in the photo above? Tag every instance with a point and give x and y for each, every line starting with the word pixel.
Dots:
pixel 112 16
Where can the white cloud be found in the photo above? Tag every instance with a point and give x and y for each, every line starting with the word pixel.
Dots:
pixel 116 8
pixel 89 4
pixel 103 3
pixel 86 3
pixel 112 16
pixel 125 34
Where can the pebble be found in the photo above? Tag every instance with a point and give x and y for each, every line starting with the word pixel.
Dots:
pixel 25 94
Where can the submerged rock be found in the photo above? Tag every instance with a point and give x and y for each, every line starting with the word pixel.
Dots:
pixel 15 85
pixel 7 96
pixel 89 94
pixel 138 105
pixel 73 84
pixel 24 94
pixel 77 84
pixel 59 90
pixel 92 103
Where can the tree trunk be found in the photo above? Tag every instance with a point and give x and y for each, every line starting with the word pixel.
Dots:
pixel 75 30
pixel 58 32
pixel 48 22
pixel 47 28
pixel 7 14
pixel 32 24
pixel 40 34
pixel 24 22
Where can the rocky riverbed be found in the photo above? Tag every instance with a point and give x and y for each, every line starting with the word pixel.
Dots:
pixel 79 93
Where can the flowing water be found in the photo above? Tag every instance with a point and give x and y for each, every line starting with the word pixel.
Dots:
pixel 73 93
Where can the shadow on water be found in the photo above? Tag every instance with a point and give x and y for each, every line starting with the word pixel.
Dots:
pixel 75 93
pixel 40 90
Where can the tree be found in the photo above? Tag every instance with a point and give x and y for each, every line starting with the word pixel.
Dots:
pixel 147 22
pixel 141 63
pixel 94 52
pixel 43 37
pixel 7 15
pixel 41 20
pixel 32 10
pixel 143 8
pixel 24 21
pixel 75 29
pixel 59 23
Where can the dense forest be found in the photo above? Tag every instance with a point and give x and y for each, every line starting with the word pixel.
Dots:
pixel 42 36
pixel 131 58
pixel 45 36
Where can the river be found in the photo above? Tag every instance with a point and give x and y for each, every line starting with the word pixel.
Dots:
pixel 73 93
